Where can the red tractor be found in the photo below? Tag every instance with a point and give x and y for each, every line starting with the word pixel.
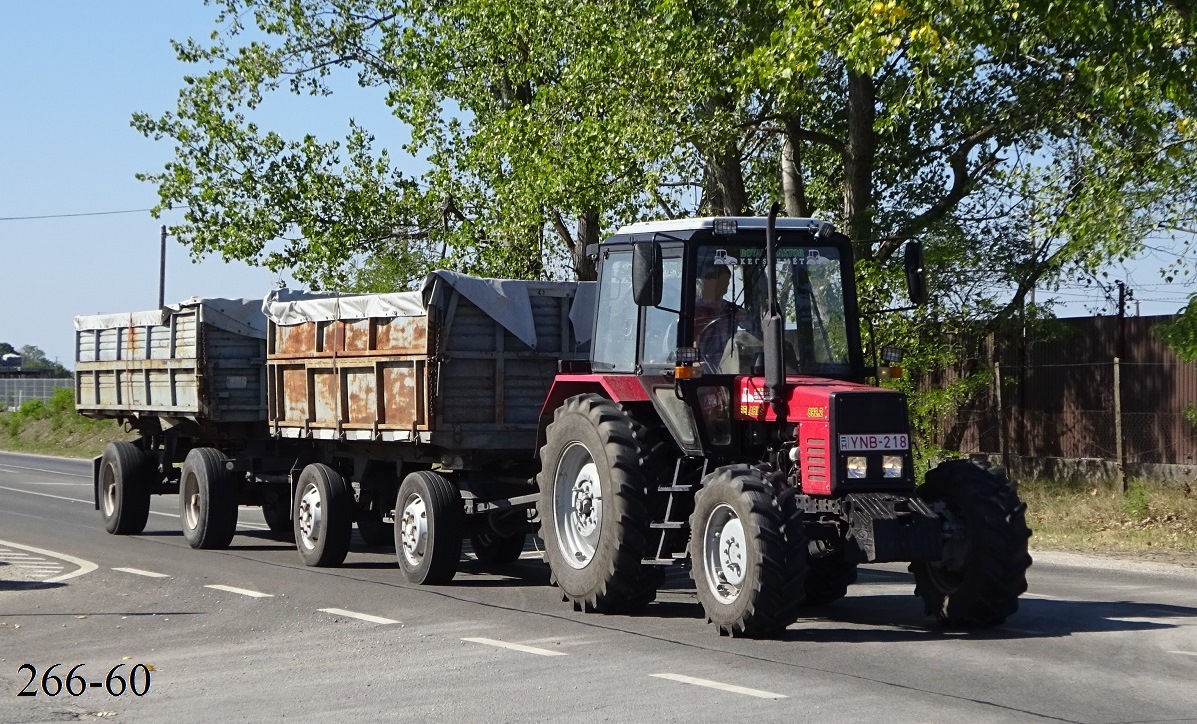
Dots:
pixel 723 418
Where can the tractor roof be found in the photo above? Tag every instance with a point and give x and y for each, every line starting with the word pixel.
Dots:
pixel 742 222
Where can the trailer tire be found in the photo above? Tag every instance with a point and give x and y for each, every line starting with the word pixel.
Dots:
pixel 428 528
pixel 493 549
pixel 749 561
pixel 278 518
pixel 323 516
pixel 591 455
pixel 207 500
pixel 124 488
pixel 984 567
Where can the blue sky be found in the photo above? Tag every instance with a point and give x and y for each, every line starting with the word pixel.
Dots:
pixel 71 75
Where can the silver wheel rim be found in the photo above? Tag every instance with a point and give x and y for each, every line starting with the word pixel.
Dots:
pixel 311 511
pixel 724 553
pixel 577 505
pixel 109 492
pixel 191 503
pixel 414 530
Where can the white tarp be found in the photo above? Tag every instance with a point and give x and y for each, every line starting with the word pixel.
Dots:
pixel 288 307
pixel 241 316
pixel 506 301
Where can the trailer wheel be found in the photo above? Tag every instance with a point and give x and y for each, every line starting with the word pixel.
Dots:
pixel 124 493
pixel 493 549
pixel 207 500
pixel 428 531
pixel 278 518
pixel 985 562
pixel 594 516
pixel 749 566
pixel 323 516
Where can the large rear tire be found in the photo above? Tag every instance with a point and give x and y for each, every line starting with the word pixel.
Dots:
pixel 323 516
pixel 124 493
pixel 428 532
pixel 748 560
pixel 207 500
pixel 985 562
pixel 594 517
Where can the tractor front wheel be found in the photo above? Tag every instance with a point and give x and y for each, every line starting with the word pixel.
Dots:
pixel 748 560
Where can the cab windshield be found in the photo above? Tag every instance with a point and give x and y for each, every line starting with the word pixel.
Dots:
pixel 731 299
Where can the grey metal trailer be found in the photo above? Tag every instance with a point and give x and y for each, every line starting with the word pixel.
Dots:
pixel 416 408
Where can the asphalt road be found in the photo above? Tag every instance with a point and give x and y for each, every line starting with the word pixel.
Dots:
pixel 250 634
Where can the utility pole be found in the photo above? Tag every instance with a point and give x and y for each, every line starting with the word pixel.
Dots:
pixel 1121 343
pixel 162 271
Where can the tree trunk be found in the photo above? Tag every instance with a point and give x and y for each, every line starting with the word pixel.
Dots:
pixel 793 185
pixel 859 156
pixel 588 233
pixel 727 173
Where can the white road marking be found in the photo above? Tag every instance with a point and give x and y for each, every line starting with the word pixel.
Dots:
pixel 40 470
pixel 721 686
pixel 361 616
pixel 254 526
pixel 139 572
pixel 84 566
pixel 241 591
pixel 1184 653
pixel 40 482
pixel 515 647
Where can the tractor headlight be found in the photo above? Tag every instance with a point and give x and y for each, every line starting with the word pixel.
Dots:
pixel 858 466
pixel 891 466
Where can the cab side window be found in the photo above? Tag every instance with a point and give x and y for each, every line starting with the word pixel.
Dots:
pixel 615 332
pixel 659 343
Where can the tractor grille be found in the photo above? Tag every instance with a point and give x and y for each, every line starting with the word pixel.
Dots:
pixel 869 412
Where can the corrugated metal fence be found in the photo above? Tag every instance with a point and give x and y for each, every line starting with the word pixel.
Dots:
pixel 1100 390
pixel 13 392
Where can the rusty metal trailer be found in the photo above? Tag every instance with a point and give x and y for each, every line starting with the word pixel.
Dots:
pixel 330 409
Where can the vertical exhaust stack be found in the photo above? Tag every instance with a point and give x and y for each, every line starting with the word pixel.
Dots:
pixel 774 325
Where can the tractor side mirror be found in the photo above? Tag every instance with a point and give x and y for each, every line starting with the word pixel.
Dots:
pixel 916 275
pixel 646 273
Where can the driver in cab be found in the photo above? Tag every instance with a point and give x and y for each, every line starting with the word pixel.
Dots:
pixel 714 316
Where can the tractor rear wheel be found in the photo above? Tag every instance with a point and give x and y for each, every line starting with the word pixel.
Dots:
pixel 748 563
pixel 594 514
pixel 985 561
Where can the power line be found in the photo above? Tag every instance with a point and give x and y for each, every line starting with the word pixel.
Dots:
pixel 86 213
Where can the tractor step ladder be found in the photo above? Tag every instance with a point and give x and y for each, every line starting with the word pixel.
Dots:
pixel 663 558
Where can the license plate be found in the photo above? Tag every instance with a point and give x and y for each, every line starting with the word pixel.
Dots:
pixel 850 443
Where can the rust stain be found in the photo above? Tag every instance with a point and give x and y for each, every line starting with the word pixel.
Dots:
pixel 403 335
pixel 333 337
pixel 399 385
pixel 324 390
pixel 356 334
pixel 361 395
pixel 295 339
pixel 294 405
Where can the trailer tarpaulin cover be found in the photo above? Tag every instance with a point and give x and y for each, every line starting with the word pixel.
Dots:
pixel 504 300
pixel 240 316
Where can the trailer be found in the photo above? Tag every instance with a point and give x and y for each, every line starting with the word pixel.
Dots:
pixel 321 408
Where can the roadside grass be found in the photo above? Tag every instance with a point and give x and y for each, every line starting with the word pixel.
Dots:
pixel 1151 520
pixel 54 428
